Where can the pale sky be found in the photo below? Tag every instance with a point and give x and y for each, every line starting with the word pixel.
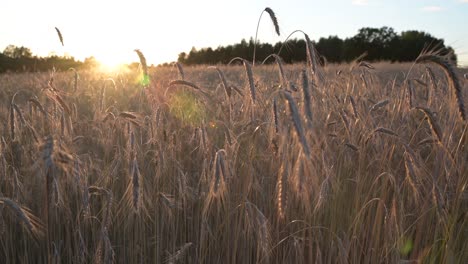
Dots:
pixel 111 30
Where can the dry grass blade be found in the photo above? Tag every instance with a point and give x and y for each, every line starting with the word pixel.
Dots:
pixel 20 113
pixel 227 89
pixel 259 222
pixel 379 105
pixel 179 254
pixel 386 131
pixel 31 222
pixel 356 61
pixel 365 64
pixel 12 123
pixel 109 116
pixel 59 35
pixel 435 128
pixel 127 115
pixel 452 78
pixel 186 83
pixel 238 91
pixel 353 105
pixel 136 186
pixel 411 175
pixel 324 193
pixel 39 106
pixel 429 140
pixel 351 146
pixel 382 130
pixel 279 62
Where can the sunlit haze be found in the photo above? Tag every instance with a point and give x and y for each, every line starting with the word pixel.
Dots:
pixel 111 30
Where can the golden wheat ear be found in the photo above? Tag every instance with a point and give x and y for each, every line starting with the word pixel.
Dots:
pixel 448 68
pixel 142 61
pixel 59 35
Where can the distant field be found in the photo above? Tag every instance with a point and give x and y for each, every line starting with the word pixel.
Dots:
pixel 356 163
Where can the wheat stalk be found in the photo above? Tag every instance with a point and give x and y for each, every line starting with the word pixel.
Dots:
pixel 31 222
pixel 135 174
pixel 382 130
pixel 275 116
pixel 143 65
pixel 451 75
pixel 12 123
pixel 188 84
pixel 279 62
pixel 324 193
pixel 307 98
pixel 181 70
pixel 250 79
pixel 353 105
pixel 297 123
pixel 411 175
pixel 227 89
pixel 281 187
pixel 127 115
pixel 379 105
pixel 179 254
pixel 219 173
pixel 109 116
pixel 435 128
pixel 274 19
pixel 409 94
pixel 59 35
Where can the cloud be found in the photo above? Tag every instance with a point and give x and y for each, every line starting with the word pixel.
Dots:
pixel 366 2
pixel 433 8
pixel 463 1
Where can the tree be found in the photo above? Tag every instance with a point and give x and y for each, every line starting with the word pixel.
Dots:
pixel 412 42
pixel 377 42
pixel 182 57
pixel 331 48
pixel 15 52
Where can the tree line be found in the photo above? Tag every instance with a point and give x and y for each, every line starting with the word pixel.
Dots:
pixel 379 44
pixel 21 59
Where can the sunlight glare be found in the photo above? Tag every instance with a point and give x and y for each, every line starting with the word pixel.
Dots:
pixel 110 63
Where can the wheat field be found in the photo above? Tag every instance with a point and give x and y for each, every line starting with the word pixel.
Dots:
pixel 350 163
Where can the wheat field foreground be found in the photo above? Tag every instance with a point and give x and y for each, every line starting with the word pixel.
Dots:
pixel 353 163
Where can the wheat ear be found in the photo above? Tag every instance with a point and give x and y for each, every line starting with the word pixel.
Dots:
pixel 274 19
pixel 59 35
pixel 450 73
pixel 307 98
pixel 297 123
pixel 31 222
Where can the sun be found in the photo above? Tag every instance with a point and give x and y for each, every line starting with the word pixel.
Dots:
pixel 109 63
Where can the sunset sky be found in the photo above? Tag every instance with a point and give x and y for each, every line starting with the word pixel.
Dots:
pixel 111 30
